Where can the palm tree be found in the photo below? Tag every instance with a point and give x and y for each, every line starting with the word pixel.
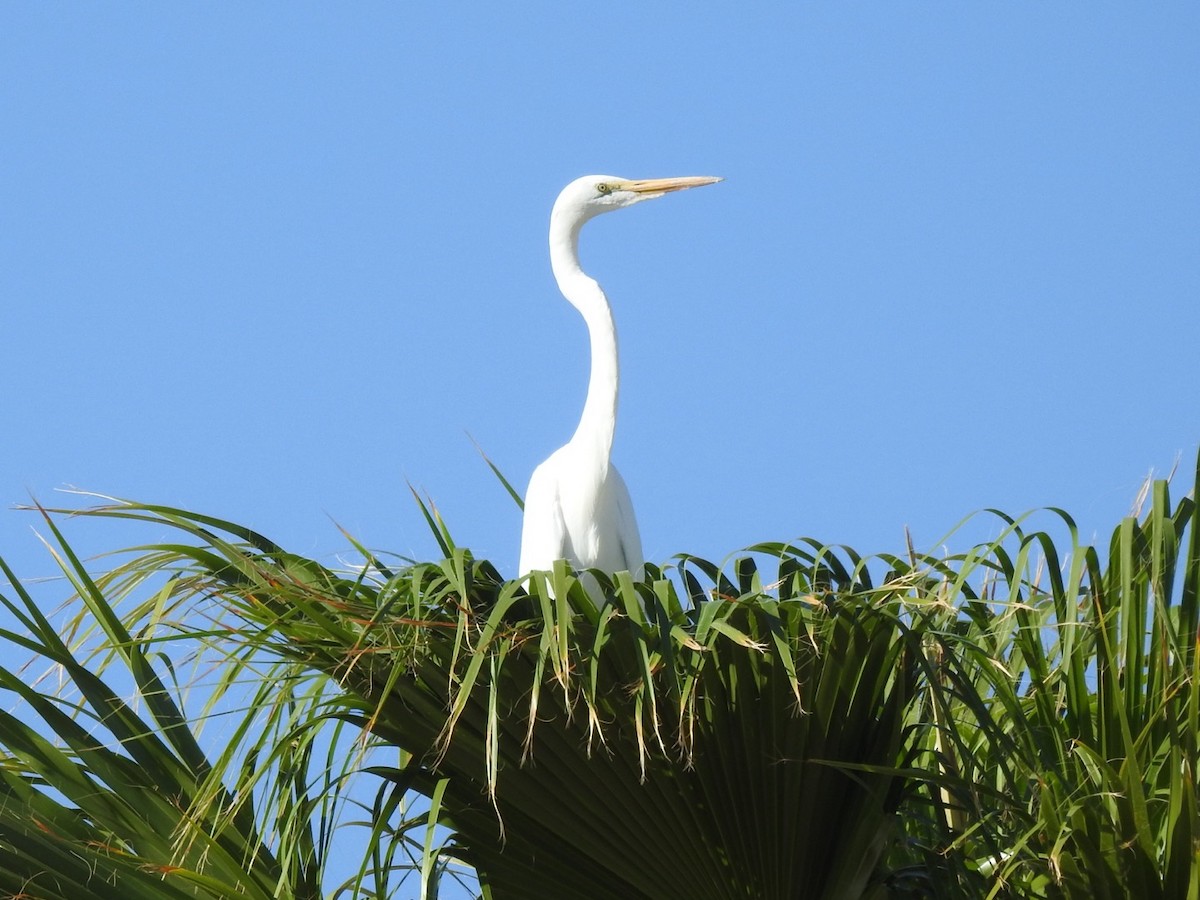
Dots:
pixel 1014 721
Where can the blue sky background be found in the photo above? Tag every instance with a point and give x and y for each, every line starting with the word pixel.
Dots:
pixel 271 262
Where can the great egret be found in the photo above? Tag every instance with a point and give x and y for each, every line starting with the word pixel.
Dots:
pixel 577 507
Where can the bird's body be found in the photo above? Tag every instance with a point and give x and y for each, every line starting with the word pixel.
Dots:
pixel 605 534
pixel 577 506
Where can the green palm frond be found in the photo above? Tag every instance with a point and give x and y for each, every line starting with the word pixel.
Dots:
pixel 1073 693
pixel 573 741
pixel 105 790
pixel 1020 720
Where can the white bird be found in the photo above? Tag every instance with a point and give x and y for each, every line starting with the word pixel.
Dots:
pixel 577 507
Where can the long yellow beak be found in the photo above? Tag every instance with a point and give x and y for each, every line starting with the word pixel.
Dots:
pixel 656 187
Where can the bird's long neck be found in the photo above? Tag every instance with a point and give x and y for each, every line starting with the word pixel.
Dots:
pixel 594 434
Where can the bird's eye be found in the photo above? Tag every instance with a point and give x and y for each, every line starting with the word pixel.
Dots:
pixel 603 188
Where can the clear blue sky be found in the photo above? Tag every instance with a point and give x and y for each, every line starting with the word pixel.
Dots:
pixel 271 261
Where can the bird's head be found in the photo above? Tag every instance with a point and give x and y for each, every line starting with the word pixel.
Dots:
pixel 591 195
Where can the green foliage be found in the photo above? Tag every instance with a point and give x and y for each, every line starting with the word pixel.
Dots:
pixel 88 816
pixel 1074 695
pixel 643 748
pixel 1017 721
pixel 105 791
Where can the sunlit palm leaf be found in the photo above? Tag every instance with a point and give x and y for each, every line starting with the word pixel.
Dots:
pixel 651 747
pixel 105 791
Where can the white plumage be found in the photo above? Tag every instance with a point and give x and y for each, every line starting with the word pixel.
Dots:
pixel 577 506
